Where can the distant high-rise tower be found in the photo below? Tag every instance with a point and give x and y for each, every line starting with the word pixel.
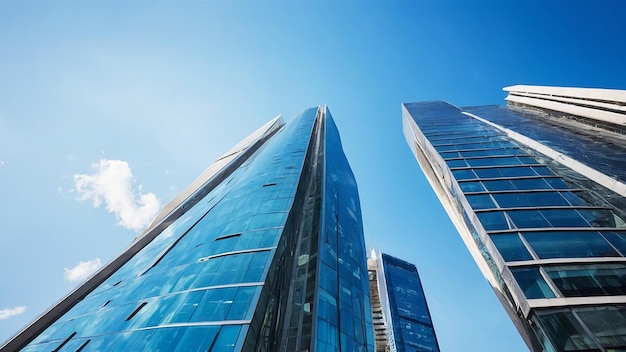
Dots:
pixel 537 191
pixel 263 252
pixel 402 320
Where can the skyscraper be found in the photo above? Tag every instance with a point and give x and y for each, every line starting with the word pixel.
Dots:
pixel 402 320
pixel 537 192
pixel 263 252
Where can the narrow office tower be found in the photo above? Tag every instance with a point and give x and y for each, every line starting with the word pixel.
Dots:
pixel 263 252
pixel 537 192
pixel 402 320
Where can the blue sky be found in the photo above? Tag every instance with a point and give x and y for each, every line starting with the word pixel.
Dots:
pixel 108 102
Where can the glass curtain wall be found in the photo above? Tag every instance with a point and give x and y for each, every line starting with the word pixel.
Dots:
pixel 553 231
pixel 240 269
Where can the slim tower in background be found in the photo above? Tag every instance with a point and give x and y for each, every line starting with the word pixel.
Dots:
pixel 263 252
pixel 537 191
pixel 402 320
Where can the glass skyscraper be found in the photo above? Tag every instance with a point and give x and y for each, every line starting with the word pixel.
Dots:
pixel 263 252
pixel 402 320
pixel 537 192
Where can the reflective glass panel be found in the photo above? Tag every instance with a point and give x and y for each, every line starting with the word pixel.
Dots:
pixel 565 244
pixel 481 201
pixel 504 161
pixel 493 220
pixel 564 218
pixel 463 174
pixel 532 283
pixel 526 219
pixel 617 239
pixel 589 279
pixel 499 185
pixel 511 247
pixel 565 332
pixel 534 199
pixel 456 163
pixel 474 186
pixel 608 324
pixel 531 183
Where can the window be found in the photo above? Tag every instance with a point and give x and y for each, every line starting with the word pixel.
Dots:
pixel 565 244
pixel 511 247
pixel 481 201
pixel 535 199
pixel 493 220
pixel 608 324
pixel 565 332
pixel 499 185
pixel 474 186
pixel 526 219
pixel 589 280
pixel 532 283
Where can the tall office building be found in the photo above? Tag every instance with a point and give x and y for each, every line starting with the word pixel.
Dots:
pixel 537 192
pixel 402 320
pixel 263 252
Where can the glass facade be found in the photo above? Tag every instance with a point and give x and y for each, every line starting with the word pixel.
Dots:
pixel 405 314
pixel 267 255
pixel 546 233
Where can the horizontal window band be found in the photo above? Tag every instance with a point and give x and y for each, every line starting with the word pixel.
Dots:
pixel 195 289
pixel 168 326
pixel 479 141
pixel 522 191
pixel 494 166
pixel 523 154
pixel 508 178
pixel 557 229
pixel 558 207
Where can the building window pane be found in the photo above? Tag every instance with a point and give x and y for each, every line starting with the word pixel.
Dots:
pixel 481 201
pixel 565 332
pixel 532 283
pixel 602 218
pixel 608 324
pixel 511 247
pixel 499 185
pixel 531 183
pixel 526 219
pixel 463 174
pixel 542 171
pixel 617 239
pixel 528 160
pixel 564 244
pixel 564 218
pixel 537 199
pixel 517 171
pixel 573 199
pixel 471 187
pixel 456 163
pixel 492 221
pixel 557 183
pixel 506 161
pixel 589 280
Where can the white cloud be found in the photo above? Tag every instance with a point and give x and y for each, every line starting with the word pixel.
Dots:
pixel 83 270
pixel 112 184
pixel 6 313
pixel 1 162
